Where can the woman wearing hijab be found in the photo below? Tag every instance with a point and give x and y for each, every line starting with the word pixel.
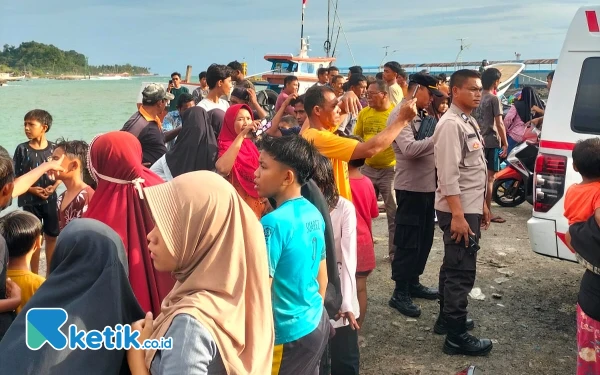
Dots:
pixel 527 109
pixel 87 279
pixel 238 155
pixel 219 311
pixel 196 147
pixel 115 161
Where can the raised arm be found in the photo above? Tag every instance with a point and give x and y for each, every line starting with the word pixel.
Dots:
pixel 381 141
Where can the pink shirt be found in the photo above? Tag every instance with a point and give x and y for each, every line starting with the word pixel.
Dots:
pixel 280 99
pixel 515 127
pixel 365 203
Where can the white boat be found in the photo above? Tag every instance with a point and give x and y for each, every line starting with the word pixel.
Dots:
pixel 510 72
pixel 301 66
pixel 109 78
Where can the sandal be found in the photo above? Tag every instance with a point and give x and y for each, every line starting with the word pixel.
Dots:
pixel 498 220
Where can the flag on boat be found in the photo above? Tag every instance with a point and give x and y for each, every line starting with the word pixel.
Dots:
pixel 303 3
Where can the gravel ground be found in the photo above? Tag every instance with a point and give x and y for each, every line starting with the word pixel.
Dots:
pixel 532 323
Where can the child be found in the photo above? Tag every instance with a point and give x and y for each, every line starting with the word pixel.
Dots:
pixel 583 200
pixel 23 233
pixel 73 203
pixel 40 199
pixel 345 358
pixel 295 239
pixel 365 203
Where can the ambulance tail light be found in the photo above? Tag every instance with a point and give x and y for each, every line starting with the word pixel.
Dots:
pixel 549 178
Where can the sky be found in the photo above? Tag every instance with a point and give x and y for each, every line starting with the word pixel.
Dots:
pixel 169 35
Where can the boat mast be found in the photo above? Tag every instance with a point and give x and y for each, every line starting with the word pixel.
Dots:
pixel 302 26
pixel 327 44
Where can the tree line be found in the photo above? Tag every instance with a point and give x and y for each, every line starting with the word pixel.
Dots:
pixel 45 59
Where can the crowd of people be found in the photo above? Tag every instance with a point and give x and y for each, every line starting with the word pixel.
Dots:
pixel 247 238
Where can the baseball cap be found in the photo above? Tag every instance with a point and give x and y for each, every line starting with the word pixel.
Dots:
pixel 428 81
pixel 154 93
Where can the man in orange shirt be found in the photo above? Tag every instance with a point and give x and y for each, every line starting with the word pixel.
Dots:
pixel 322 107
pixel 146 125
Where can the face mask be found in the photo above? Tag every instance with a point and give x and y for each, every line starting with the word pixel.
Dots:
pixel 290 131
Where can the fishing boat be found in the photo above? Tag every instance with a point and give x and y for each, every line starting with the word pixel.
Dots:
pixel 301 66
pixel 510 72
pixel 110 77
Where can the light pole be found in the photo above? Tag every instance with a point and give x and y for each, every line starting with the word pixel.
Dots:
pixel 386 54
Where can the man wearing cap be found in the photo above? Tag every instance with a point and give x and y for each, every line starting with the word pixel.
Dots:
pixel 415 184
pixel 390 74
pixel 147 126
pixel 461 210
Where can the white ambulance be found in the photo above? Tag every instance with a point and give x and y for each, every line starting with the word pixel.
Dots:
pixel 572 113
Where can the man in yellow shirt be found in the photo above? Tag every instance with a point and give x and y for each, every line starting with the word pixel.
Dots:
pixel 379 168
pixel 321 106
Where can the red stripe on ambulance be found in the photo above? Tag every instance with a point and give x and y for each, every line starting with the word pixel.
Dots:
pixel 592 21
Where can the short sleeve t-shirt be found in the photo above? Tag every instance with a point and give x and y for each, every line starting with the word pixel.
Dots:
pixel 177 93
pixel 148 132
pixel 339 150
pixel 29 283
pixel 395 93
pixel 209 105
pixel 581 201
pixel 295 236
pixel 75 209
pixel 370 123
pixel 489 108
pixel 365 203
pixel 26 159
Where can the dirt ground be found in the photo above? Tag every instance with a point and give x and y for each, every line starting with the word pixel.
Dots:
pixel 532 324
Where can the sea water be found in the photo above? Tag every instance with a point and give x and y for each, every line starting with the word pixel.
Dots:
pixel 80 109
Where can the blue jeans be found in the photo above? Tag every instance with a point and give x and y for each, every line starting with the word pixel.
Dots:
pixel 511 144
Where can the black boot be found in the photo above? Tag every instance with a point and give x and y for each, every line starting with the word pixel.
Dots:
pixel 458 341
pixel 401 301
pixel 440 324
pixel 418 290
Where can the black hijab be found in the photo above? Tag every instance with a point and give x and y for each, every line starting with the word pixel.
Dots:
pixel 6 318
pixel 528 99
pixel 196 147
pixel 88 280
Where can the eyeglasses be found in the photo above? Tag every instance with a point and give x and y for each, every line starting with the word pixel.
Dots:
pixel 371 93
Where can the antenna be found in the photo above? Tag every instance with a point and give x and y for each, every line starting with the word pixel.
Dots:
pixel 386 54
pixel 463 47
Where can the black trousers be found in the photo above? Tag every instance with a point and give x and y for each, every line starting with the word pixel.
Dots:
pixel 457 273
pixel 415 226
pixel 345 356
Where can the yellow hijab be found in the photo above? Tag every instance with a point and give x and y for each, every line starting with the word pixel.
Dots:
pixel 222 273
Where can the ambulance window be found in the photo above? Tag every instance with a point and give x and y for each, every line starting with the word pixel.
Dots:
pixel 586 110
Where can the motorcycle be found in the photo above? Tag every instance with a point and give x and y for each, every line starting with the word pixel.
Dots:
pixel 513 185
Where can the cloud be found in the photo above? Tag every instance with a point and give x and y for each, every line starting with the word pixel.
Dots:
pixel 170 35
